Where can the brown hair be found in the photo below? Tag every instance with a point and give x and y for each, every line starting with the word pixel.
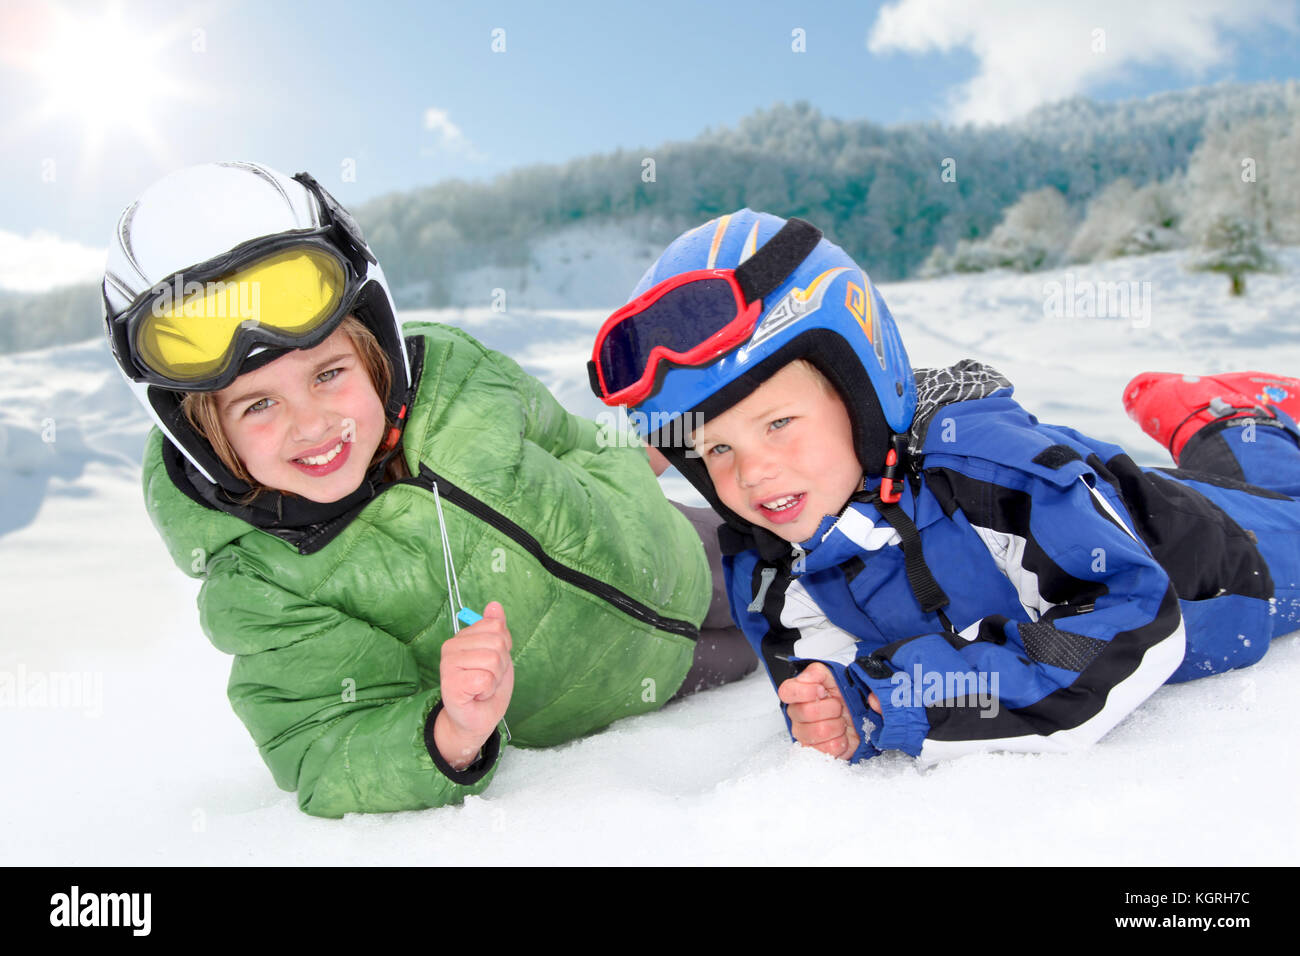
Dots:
pixel 200 409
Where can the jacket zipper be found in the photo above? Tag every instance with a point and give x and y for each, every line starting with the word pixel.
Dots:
pixel 612 595
pixel 468 502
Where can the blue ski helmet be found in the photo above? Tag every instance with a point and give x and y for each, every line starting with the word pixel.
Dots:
pixel 826 311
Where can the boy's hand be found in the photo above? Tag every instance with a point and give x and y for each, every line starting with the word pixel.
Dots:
pixel 477 678
pixel 818 715
pixel 658 463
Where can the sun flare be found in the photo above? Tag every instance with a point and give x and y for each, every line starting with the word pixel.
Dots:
pixel 103 75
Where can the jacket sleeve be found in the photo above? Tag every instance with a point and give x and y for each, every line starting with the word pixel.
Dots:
pixel 547 424
pixel 1098 630
pixel 335 706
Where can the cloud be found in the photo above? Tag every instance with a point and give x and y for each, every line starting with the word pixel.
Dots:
pixel 42 261
pixel 448 138
pixel 448 133
pixel 1031 52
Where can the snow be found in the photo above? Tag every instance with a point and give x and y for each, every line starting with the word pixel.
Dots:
pixel 583 264
pixel 121 749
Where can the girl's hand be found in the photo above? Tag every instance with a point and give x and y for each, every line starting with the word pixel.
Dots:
pixel 818 715
pixel 477 678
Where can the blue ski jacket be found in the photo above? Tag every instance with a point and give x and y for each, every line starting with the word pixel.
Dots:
pixel 1076 582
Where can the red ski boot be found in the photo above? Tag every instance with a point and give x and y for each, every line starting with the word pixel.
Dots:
pixel 1172 407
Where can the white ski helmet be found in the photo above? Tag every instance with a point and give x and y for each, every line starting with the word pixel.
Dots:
pixel 216 270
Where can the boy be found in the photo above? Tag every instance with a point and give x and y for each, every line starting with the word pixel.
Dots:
pixel 920 564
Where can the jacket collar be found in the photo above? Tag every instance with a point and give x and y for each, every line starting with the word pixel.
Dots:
pixel 858 528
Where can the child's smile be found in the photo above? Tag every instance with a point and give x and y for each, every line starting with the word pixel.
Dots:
pixel 783 458
pixel 307 423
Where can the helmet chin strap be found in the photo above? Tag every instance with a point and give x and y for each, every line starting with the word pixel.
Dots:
pixel 925 588
pixel 891 485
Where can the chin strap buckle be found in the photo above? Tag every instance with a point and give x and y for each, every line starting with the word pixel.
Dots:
pixel 394 433
pixel 891 483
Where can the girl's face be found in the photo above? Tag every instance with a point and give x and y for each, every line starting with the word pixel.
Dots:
pixel 307 423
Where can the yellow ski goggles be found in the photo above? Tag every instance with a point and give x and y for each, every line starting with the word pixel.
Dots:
pixel 194 330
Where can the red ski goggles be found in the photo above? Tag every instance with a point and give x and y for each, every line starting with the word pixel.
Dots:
pixel 691 319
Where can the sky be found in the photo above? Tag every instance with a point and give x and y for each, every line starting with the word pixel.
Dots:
pixel 99 99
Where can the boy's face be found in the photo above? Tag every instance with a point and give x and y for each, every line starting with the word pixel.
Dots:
pixel 783 458
pixel 316 404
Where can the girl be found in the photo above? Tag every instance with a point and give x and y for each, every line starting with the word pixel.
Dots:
pixel 346 489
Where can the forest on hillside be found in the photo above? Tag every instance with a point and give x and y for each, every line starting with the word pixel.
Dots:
pixel 1073 181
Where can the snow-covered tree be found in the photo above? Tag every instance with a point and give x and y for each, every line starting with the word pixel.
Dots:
pixel 1248 168
pixel 937 263
pixel 1032 235
pixel 1123 220
pixel 1231 246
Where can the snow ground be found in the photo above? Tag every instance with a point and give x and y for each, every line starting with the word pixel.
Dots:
pixel 145 763
pixel 572 267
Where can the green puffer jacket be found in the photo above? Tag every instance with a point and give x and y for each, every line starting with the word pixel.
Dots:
pixel 336 651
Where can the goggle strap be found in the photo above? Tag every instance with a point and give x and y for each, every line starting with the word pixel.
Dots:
pixel 764 271
pixel 262 354
pixel 333 213
pixel 760 274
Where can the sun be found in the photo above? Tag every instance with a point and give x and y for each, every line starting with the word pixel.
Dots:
pixel 102 75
